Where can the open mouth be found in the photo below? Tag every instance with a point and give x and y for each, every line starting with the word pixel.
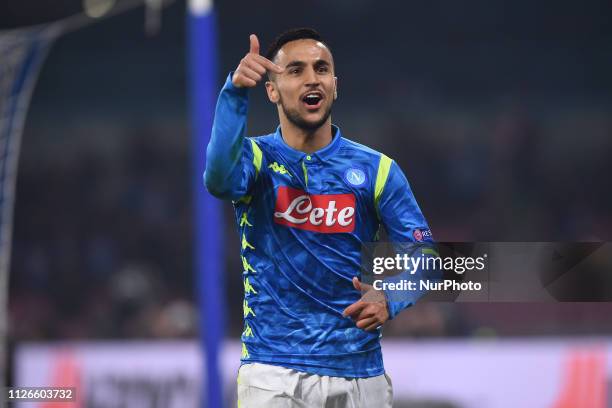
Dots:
pixel 312 100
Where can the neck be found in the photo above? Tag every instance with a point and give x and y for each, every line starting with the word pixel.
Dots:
pixel 306 140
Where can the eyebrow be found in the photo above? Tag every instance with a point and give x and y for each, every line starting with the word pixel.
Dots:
pixel 318 63
pixel 295 64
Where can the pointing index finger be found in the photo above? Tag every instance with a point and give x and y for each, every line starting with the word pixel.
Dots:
pixel 354 308
pixel 269 65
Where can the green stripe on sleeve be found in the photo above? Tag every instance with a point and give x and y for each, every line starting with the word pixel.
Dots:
pixel 429 251
pixel 257 157
pixel 381 178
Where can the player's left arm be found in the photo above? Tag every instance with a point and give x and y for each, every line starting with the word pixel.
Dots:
pixel 406 226
pixel 404 222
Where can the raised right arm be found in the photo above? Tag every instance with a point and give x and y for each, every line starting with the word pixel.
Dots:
pixel 230 157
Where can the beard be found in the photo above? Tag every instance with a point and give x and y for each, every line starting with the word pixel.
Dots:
pixel 298 120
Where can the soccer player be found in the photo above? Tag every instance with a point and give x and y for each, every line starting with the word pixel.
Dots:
pixel 306 198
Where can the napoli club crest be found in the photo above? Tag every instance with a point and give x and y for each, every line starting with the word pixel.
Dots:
pixel 355 177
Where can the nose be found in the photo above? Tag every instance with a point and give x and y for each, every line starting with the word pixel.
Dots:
pixel 312 78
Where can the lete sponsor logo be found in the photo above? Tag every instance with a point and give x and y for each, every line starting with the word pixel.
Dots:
pixel 326 213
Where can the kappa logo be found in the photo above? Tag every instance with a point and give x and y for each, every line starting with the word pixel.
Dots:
pixel 326 213
pixel 279 168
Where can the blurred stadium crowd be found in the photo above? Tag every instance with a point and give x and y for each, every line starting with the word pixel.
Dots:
pixel 503 129
pixel 102 247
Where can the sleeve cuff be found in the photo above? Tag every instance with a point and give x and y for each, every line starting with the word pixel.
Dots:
pixel 229 86
pixel 394 307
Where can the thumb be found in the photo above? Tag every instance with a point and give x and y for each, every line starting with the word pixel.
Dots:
pixel 356 283
pixel 254 49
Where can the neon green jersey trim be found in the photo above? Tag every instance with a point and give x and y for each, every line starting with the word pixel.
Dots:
pixel 381 179
pixel 246 309
pixel 244 220
pixel 245 243
pixel 245 352
pixel 244 199
pixel 248 288
pixel 246 266
pixel 305 173
pixel 430 251
pixel 257 157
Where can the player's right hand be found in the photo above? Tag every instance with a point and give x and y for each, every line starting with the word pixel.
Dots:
pixel 253 67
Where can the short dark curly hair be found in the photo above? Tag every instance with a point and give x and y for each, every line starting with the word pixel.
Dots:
pixel 293 35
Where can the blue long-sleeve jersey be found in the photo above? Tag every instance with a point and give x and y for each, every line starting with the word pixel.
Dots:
pixel 302 219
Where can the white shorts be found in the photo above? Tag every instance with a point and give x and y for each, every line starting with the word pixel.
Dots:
pixel 269 386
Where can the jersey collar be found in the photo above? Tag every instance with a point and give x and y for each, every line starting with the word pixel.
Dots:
pixel 294 155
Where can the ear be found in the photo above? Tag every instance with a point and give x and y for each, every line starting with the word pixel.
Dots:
pixel 335 88
pixel 273 95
